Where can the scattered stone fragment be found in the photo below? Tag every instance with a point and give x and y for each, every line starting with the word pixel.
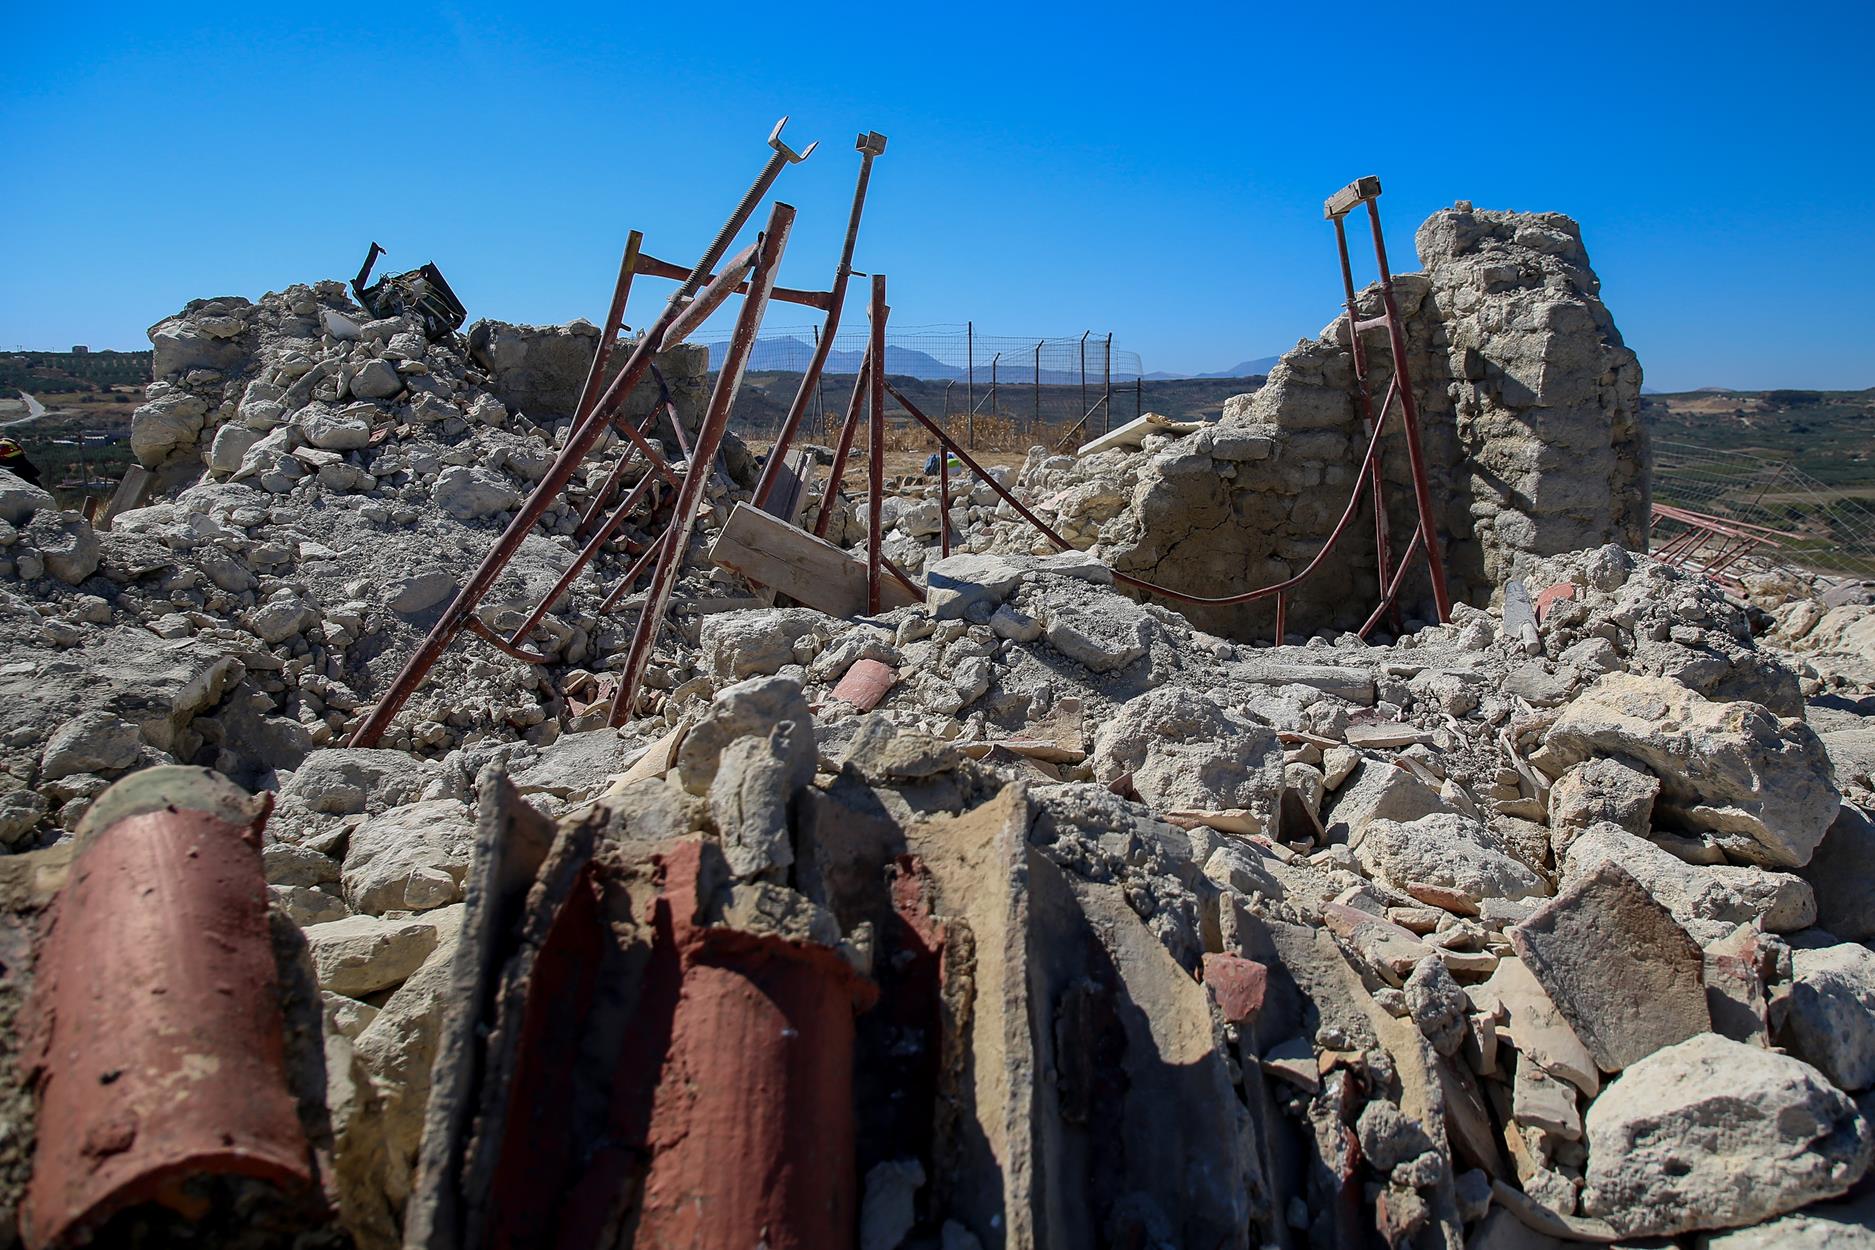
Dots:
pixel 362 954
pixel 1711 1133
pixel 1626 977
pixel 1760 785
pixel 1831 1016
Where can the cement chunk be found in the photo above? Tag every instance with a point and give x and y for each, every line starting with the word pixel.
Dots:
pixel 1712 1133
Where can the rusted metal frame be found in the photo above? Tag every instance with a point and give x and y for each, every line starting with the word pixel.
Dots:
pixel 870 145
pixel 1722 561
pixel 585 557
pixel 603 496
pixel 875 444
pixel 614 319
pixel 901 576
pixel 1392 591
pixel 578 445
pixel 862 387
pixel 636 571
pixel 1677 546
pixel 652 267
pixel 1282 615
pixel 659 464
pixel 1728 525
pixel 1383 555
pixel 476 626
pixel 461 610
pixel 713 295
pixel 709 437
pixel 1409 415
pixel 1251 596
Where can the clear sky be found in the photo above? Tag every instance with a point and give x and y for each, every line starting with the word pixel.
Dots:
pixel 1153 170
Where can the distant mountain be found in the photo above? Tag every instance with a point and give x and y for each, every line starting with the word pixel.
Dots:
pixel 1243 369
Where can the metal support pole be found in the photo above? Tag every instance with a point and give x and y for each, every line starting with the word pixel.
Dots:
pixel 862 387
pixel 709 438
pixel 1084 335
pixel 1139 396
pixel 970 366
pixel 944 501
pixel 875 490
pixel 1035 422
pixel 1383 555
pixel 1409 413
pixel 455 617
pixel 870 144
pixel 1106 412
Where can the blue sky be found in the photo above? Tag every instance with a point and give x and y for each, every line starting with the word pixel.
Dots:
pixel 1156 171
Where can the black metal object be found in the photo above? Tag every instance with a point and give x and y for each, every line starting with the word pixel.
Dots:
pixel 422 292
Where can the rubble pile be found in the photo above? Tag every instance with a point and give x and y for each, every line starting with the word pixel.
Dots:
pixel 1032 913
pixel 351 473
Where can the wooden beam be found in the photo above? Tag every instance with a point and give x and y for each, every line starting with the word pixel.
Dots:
pixel 810 570
pixel 1134 432
pixel 1356 192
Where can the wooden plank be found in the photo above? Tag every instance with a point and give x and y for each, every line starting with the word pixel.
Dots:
pixel 1356 192
pixel 1134 432
pixel 132 492
pixel 810 570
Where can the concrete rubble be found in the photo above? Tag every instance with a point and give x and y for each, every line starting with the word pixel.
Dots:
pixel 1109 924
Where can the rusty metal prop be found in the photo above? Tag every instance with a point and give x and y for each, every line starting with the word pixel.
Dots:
pixel 584 434
pixel 875 442
pixel 870 145
pixel 158 1040
pixel 1363 191
pixel 676 542
pixel 1710 545
pixel 862 387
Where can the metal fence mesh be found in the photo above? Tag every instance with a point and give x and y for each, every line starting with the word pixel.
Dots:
pixel 1822 528
pixel 1028 383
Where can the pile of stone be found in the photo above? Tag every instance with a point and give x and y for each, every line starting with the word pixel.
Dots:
pixel 1546 925
pixel 1565 928
pixel 324 482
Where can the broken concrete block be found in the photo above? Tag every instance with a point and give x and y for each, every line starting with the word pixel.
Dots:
pixel 1541 1101
pixel 753 792
pixel 1186 752
pixel 1600 790
pixel 1831 1017
pixel 1842 872
pixel 1735 987
pixel 1708 900
pixel 1711 1133
pixel 361 955
pixel 1377 791
pixel 409 859
pixel 1437 1004
pixel 749 707
pixel 1448 851
pixel 1538 1031
pixel 1625 976
pixel 1759 784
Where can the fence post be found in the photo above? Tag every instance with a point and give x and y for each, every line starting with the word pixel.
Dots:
pixel 1106 403
pixel 1084 334
pixel 1139 392
pixel 1035 423
pixel 970 365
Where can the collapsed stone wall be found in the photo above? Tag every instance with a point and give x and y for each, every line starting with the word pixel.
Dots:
pixel 1530 422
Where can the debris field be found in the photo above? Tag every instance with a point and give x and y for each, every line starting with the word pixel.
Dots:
pixel 974 875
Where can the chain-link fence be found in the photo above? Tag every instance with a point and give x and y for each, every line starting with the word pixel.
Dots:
pixel 1025 385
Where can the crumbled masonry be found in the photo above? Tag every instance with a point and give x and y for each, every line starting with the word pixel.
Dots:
pixel 1099 924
